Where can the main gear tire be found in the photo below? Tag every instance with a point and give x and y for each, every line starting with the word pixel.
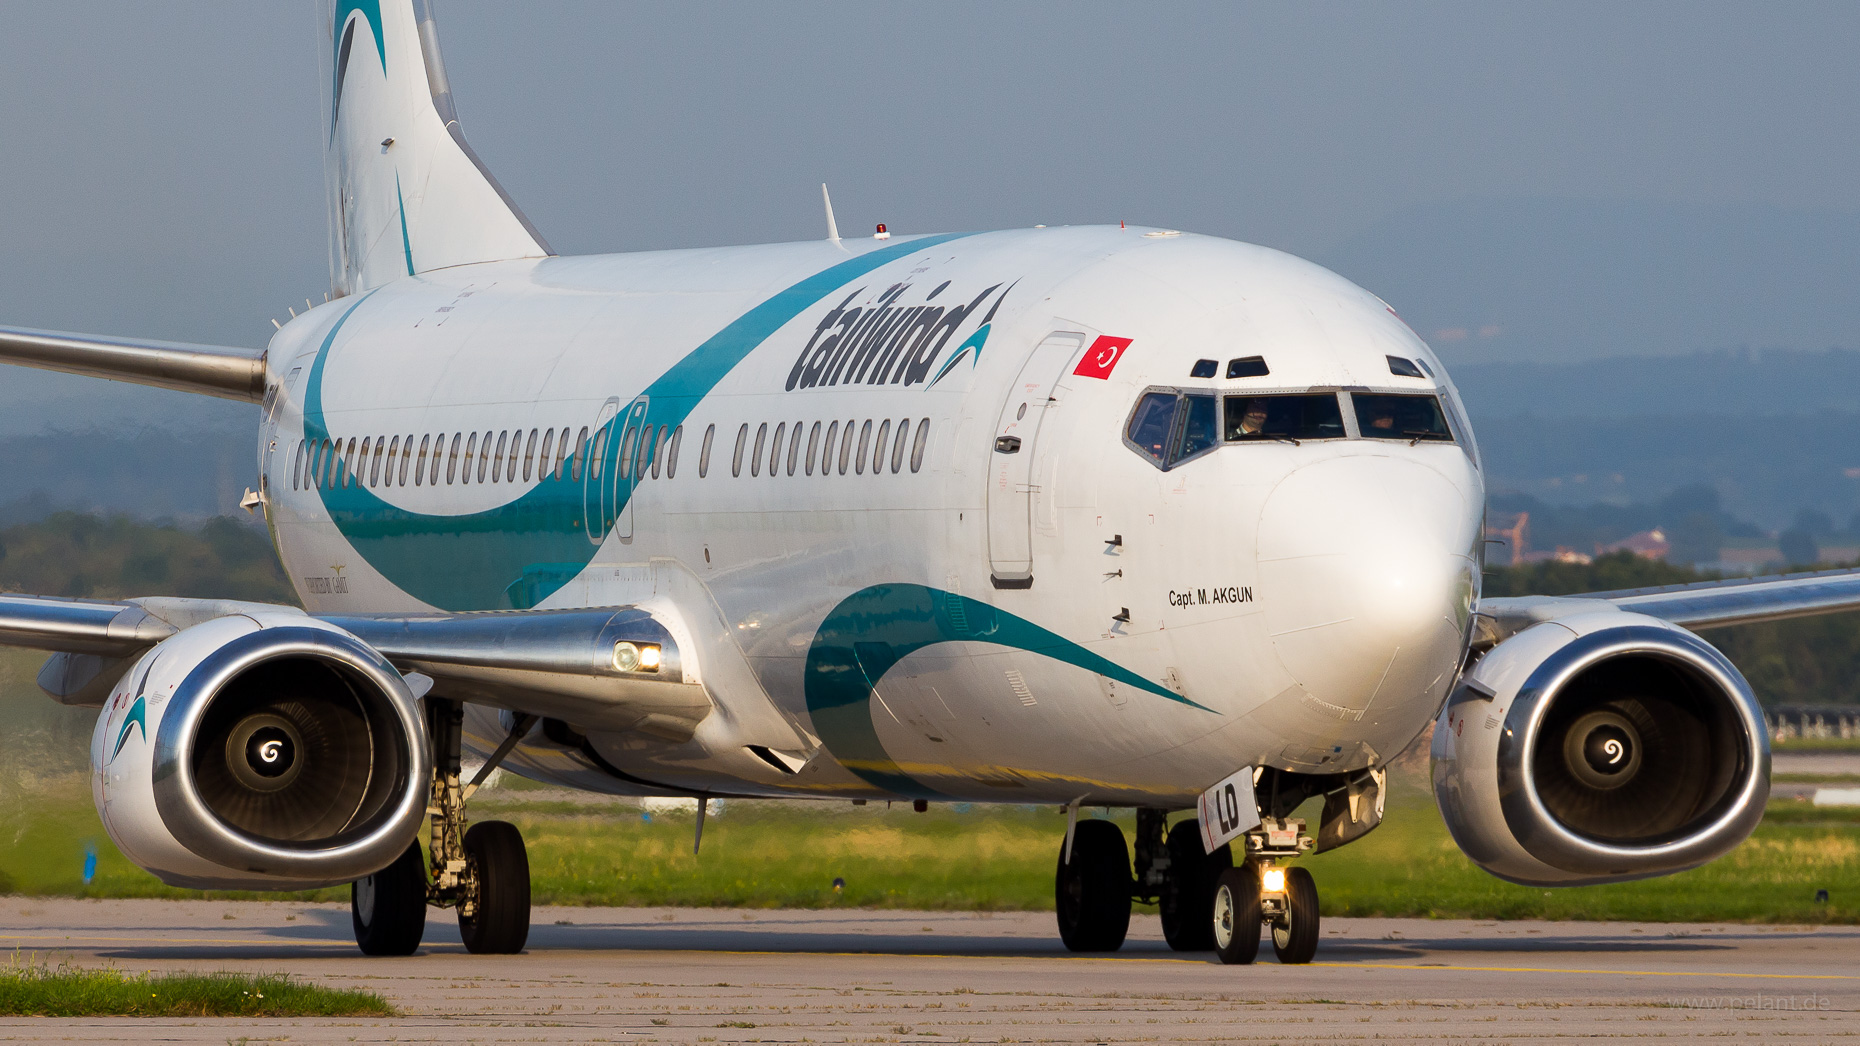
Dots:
pixel 1187 897
pixel 1092 890
pixel 388 908
pixel 500 923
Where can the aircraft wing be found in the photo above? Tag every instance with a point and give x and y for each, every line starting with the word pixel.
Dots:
pixel 558 663
pixel 213 370
pixel 1699 606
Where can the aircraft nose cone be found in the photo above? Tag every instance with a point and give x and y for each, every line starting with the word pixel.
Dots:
pixel 1366 579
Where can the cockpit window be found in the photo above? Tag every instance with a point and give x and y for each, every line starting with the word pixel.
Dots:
pixel 1412 418
pixel 1199 429
pixel 1286 417
pixel 1151 424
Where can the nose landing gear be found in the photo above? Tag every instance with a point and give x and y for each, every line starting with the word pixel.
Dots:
pixel 1262 891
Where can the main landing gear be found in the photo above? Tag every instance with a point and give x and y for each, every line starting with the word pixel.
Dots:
pixel 1207 901
pixel 483 871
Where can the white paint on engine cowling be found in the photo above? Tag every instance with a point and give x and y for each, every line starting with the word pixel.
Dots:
pixel 125 764
pixel 1485 795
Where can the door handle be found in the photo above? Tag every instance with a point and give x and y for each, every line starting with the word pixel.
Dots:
pixel 1007 444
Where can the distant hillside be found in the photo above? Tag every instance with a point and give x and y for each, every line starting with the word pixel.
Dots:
pixel 1764 468
pixel 150 474
pixel 1728 386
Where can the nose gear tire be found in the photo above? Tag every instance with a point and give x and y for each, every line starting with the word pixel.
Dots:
pixel 1091 893
pixel 500 925
pixel 388 908
pixel 1295 935
pixel 1235 920
pixel 1187 896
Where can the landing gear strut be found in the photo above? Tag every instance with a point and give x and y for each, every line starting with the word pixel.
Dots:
pixel 483 871
pixel 1177 875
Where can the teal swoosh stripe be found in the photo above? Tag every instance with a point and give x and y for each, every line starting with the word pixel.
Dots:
pixel 515 555
pixel 371 12
pixel 138 715
pixel 406 245
pixel 875 628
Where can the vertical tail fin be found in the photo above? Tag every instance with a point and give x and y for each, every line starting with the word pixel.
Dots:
pixel 406 194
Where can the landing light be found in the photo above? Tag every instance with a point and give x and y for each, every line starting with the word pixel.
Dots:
pixel 636 657
pixel 1272 881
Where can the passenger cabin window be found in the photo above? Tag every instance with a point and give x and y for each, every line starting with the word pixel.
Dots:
pixel 710 432
pixel 1391 416
pixel 671 452
pixel 917 447
pixel 1294 417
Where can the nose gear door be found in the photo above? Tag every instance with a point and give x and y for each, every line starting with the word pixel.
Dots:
pixel 1010 487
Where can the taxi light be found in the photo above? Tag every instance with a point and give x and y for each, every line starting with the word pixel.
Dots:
pixel 636 657
pixel 1272 881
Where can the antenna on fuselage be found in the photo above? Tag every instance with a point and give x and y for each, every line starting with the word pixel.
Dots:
pixel 833 227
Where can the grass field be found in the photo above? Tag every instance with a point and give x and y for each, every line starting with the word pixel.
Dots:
pixel 35 990
pixel 764 855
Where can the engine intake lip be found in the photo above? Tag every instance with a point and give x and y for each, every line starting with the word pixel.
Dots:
pixel 377 836
pixel 1728 816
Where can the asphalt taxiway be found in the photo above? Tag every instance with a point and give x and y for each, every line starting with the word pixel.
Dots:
pixel 731 976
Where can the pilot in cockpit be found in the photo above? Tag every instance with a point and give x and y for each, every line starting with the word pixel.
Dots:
pixel 1252 422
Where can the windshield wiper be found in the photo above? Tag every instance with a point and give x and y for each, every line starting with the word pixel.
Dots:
pixel 1421 434
pixel 1282 438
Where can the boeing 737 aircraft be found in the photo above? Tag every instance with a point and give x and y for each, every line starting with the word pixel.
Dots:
pixel 1094 516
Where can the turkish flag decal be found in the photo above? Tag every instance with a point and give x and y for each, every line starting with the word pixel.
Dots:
pixel 1101 357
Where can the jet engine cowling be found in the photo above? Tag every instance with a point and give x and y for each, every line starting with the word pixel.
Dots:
pixel 261 751
pixel 1600 747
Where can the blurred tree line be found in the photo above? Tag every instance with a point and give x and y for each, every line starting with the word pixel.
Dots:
pixel 84 555
pixel 1807 661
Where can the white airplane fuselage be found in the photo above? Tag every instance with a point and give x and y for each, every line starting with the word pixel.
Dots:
pixel 983 591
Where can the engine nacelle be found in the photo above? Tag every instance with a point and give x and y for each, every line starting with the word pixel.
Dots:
pixel 261 751
pixel 1598 748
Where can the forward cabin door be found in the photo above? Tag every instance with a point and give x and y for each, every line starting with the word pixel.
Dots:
pixel 1016 441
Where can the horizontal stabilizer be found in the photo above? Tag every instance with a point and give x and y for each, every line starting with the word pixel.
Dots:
pixel 234 374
